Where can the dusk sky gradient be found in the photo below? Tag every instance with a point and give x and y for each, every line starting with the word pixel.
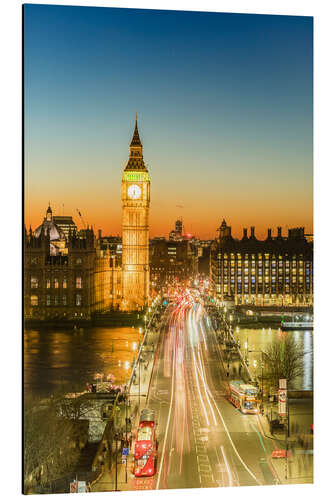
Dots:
pixel 224 107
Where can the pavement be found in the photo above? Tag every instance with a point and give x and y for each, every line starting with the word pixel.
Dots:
pixel 299 466
pixel 137 399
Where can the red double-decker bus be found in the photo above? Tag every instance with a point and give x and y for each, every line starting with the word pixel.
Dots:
pixel 145 450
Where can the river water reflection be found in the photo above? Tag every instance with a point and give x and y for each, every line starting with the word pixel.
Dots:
pixel 259 339
pixel 69 358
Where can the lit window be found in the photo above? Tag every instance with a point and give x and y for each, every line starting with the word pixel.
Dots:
pixel 79 261
pixel 56 283
pixel 48 283
pixel 34 282
pixel 64 283
pixel 34 300
pixel 56 300
pixel 78 300
pixel 48 300
pixel 64 300
pixel 78 282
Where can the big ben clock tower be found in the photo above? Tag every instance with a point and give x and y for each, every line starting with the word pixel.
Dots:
pixel 135 197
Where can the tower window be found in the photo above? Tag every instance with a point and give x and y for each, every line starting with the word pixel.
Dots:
pixel 34 282
pixel 34 300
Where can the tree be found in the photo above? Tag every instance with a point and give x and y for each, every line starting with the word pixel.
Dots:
pixel 283 358
pixel 49 448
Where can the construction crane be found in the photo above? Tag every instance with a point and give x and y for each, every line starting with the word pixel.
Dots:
pixel 82 219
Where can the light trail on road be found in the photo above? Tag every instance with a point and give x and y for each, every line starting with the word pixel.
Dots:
pixel 202 437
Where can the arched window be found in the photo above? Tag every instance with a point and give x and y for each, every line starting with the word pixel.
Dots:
pixel 34 282
pixel 78 282
pixel 34 300
pixel 78 300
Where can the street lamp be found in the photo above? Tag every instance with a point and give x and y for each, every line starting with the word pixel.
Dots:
pixel 262 371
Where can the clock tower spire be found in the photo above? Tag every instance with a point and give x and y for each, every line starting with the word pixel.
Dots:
pixel 135 199
pixel 135 160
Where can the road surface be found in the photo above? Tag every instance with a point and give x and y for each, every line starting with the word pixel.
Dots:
pixel 204 441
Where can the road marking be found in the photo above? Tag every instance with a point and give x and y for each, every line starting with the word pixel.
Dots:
pixel 230 439
pixel 204 468
pixel 227 466
pixel 168 423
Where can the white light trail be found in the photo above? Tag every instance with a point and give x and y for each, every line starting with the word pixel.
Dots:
pixel 227 466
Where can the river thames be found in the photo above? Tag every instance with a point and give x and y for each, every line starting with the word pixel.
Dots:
pixel 66 359
pixel 57 360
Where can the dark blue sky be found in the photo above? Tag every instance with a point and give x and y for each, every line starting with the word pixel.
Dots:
pixel 224 103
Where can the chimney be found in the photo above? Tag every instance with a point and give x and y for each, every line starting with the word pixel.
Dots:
pixel 245 232
pixel 99 234
pixel 252 232
pixel 269 233
pixel 279 232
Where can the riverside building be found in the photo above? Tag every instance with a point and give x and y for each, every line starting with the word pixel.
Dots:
pixel 277 271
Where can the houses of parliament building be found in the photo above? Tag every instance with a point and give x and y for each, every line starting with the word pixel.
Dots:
pixel 70 276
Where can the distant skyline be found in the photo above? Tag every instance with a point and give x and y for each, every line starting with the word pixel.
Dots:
pixel 224 110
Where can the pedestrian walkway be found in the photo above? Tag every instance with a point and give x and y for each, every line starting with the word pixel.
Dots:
pixel 137 397
pixel 298 467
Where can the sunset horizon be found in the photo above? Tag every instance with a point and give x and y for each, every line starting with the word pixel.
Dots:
pixel 227 133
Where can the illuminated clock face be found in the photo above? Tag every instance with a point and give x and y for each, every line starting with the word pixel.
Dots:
pixel 134 191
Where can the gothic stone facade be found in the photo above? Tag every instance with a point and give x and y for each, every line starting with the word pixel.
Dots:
pixel 135 196
pixel 69 286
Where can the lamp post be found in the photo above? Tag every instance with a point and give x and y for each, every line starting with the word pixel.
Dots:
pixel 262 370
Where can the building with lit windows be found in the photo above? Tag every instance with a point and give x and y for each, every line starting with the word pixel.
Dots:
pixel 170 260
pixel 65 223
pixel 277 271
pixel 67 279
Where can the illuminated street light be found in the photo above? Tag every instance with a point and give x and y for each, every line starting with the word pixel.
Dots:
pixel 134 345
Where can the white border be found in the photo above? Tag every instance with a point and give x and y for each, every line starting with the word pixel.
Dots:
pixel 10 33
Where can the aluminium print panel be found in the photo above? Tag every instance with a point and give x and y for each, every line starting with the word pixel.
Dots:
pixel 168 249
